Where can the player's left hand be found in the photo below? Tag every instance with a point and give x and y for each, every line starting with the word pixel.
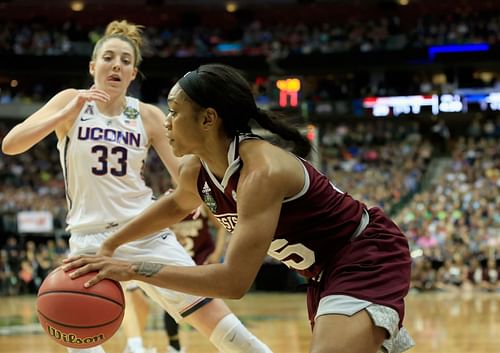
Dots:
pixel 106 267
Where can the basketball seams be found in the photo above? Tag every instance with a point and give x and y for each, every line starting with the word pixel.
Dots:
pixel 80 327
pixel 73 315
pixel 84 293
pixel 119 287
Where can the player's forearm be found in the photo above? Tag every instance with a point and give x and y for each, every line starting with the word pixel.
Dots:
pixel 215 281
pixel 158 216
pixel 25 135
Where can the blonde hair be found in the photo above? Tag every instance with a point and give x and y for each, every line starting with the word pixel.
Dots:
pixel 126 31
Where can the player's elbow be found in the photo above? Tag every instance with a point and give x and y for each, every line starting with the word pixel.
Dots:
pixel 237 290
pixel 235 294
pixel 8 147
pixel 12 144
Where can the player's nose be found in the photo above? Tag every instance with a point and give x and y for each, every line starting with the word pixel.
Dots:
pixel 168 122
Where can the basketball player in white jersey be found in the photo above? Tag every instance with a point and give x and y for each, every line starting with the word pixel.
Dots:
pixel 103 139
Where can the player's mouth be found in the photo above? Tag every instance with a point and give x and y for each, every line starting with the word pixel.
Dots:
pixel 114 78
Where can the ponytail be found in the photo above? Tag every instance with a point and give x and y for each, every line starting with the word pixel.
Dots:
pixel 224 89
pixel 272 122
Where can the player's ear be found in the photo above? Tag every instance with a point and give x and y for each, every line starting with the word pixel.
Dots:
pixel 92 68
pixel 210 118
pixel 134 73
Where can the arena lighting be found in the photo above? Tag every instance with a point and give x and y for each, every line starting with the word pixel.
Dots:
pixel 77 6
pixel 231 6
pixel 433 50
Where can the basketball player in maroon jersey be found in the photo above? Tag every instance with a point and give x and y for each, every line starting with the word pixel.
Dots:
pixel 273 202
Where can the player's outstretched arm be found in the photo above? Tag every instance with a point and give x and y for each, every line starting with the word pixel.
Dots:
pixel 57 115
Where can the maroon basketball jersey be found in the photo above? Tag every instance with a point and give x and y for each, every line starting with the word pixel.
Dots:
pixel 312 226
pixel 315 235
pixel 195 237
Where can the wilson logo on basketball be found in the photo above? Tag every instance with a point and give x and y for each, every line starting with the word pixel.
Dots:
pixel 72 338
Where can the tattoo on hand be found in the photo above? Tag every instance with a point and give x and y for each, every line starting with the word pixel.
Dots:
pixel 147 269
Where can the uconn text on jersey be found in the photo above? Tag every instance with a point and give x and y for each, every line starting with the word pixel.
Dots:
pixel 99 134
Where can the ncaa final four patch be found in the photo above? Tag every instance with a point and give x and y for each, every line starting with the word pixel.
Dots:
pixel 131 113
pixel 208 198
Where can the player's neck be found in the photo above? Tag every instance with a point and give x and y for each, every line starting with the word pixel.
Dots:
pixel 215 157
pixel 114 107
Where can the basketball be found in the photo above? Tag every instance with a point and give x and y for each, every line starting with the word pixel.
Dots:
pixel 79 317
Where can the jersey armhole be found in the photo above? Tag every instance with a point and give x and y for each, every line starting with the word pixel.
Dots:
pixel 305 187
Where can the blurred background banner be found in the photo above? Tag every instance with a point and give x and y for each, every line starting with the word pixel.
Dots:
pixel 34 222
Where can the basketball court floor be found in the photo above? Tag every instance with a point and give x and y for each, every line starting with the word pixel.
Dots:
pixel 439 322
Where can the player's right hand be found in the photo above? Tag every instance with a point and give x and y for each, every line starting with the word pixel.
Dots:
pixel 75 105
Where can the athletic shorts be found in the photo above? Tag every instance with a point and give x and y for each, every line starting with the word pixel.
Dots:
pixel 161 247
pixel 398 339
pixel 372 273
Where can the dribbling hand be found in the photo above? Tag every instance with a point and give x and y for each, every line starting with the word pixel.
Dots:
pixel 106 267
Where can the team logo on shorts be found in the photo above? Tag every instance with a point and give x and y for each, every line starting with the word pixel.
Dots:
pixel 208 198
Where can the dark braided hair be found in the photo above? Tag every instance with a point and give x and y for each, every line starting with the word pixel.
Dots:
pixel 224 89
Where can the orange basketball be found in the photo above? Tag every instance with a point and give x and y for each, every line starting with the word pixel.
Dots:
pixel 79 317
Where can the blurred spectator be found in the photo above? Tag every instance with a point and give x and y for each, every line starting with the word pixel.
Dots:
pixel 274 39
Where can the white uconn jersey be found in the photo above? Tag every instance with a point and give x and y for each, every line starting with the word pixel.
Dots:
pixel 102 160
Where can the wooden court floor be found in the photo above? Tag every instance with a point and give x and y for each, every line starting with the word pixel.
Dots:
pixel 439 322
